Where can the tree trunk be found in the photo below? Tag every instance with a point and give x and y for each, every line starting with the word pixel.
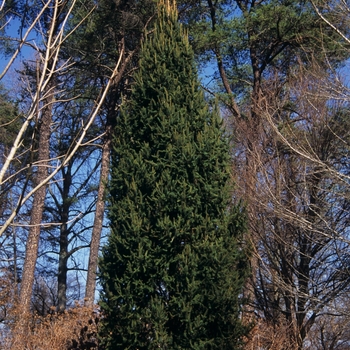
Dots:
pixel 32 245
pixel 62 274
pixel 98 221
pixel 63 242
pixel 100 204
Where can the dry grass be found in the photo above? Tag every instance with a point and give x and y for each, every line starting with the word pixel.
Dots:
pixel 75 329
pixel 267 337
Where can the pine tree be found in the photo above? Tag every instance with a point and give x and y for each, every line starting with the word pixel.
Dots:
pixel 172 270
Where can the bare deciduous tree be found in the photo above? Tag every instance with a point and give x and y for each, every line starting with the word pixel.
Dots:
pixel 299 212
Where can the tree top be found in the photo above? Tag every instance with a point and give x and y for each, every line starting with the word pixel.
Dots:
pixel 169 6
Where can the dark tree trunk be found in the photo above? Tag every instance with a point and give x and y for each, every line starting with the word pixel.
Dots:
pixel 63 243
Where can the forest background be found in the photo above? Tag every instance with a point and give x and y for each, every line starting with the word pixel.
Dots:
pixel 278 69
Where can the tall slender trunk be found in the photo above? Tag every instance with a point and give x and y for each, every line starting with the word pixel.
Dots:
pixel 100 204
pixel 64 242
pixel 38 204
pixel 44 120
pixel 90 286
pixel 98 221
pixel 62 271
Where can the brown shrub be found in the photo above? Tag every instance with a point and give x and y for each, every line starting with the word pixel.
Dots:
pixel 265 336
pixel 75 329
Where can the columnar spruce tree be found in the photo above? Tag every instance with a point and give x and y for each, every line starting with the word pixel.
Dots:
pixel 172 270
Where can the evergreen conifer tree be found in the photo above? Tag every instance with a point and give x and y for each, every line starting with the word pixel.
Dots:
pixel 172 270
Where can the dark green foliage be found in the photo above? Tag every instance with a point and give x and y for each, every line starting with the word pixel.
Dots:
pixel 9 121
pixel 260 39
pixel 172 270
pixel 113 28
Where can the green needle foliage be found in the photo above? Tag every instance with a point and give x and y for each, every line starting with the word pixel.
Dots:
pixel 172 270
